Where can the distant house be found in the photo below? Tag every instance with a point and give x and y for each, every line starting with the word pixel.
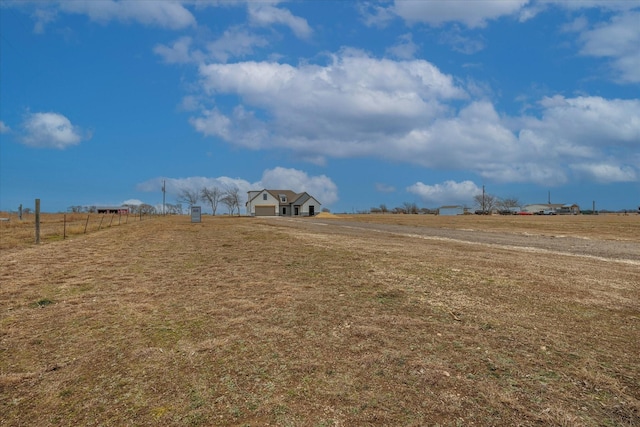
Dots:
pixel 568 210
pixel 281 203
pixel 557 208
pixel 539 207
pixel 122 210
pixel 451 210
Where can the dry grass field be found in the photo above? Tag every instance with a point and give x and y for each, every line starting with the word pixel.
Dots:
pixel 335 321
pixel 15 232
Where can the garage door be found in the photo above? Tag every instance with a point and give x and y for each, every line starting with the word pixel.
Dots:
pixel 265 210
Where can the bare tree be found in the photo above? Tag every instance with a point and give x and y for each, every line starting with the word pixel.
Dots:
pixel 173 209
pixel 146 209
pixel 509 202
pixel 212 196
pixel 189 197
pixel 383 208
pixel 231 199
pixel 133 209
pixel 428 211
pixel 486 202
pixel 410 208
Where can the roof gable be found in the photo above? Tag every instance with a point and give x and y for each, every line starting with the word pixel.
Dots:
pixel 257 194
pixel 291 197
pixel 301 198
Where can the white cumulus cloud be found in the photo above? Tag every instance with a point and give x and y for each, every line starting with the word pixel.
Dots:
pixel 160 13
pixel 446 193
pixel 604 172
pixel 174 186
pixel 470 13
pixel 50 130
pixel 409 111
pixel 178 53
pixel 235 42
pixel 619 40
pixel 384 188
pixel 321 187
pixel 405 48
pixel 4 128
pixel 264 14
pixel 339 109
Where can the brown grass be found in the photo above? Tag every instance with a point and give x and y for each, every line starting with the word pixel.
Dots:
pixel 604 226
pixel 238 321
pixel 21 232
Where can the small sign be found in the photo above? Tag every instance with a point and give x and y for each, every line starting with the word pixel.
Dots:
pixel 196 214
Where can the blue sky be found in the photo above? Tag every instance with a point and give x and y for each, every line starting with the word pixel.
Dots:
pixel 357 103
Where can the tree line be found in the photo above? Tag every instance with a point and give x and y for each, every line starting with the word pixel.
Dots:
pixel 485 203
pixel 143 209
pixel 228 196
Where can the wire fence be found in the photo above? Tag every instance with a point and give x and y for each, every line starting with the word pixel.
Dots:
pixel 17 232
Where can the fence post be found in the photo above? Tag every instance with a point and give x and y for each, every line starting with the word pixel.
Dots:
pixel 110 222
pixel 100 226
pixel 86 224
pixel 37 221
pixel 64 227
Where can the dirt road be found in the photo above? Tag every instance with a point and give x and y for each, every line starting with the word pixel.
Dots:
pixel 627 252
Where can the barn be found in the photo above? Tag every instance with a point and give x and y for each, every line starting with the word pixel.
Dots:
pixel 122 210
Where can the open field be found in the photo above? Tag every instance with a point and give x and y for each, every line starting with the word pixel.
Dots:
pixel 15 232
pixel 354 320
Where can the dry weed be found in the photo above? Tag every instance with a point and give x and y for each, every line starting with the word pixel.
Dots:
pixel 238 321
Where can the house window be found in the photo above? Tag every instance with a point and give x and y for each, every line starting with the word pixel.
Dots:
pixel 264 196
pixel 283 199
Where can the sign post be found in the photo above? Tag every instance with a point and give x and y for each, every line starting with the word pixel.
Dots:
pixel 196 214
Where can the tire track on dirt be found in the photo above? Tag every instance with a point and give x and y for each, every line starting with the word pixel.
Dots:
pixel 599 250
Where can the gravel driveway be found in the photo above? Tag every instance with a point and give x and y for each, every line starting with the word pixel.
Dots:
pixel 627 252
